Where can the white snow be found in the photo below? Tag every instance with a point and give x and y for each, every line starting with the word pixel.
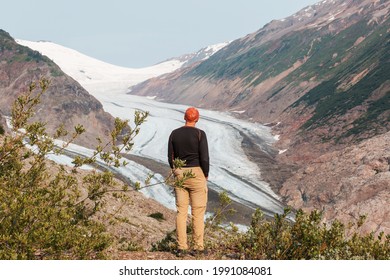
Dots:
pixel 92 73
pixel 215 48
pixel 230 169
pixel 282 151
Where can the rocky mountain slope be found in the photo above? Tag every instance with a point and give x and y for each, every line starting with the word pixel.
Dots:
pixel 320 77
pixel 347 183
pixel 65 101
pixel 201 55
pixel 328 61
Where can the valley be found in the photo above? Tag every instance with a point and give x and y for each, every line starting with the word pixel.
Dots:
pixel 318 80
pixel 232 168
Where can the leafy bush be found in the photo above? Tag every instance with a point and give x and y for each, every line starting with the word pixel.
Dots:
pixel 285 238
pixel 305 238
pixel 167 244
pixel 44 212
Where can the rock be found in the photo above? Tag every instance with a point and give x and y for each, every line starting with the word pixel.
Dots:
pixel 346 184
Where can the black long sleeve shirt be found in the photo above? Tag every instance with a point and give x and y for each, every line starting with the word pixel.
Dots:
pixel 190 144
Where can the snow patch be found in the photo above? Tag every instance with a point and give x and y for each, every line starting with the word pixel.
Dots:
pixel 239 112
pixel 92 73
pixel 282 151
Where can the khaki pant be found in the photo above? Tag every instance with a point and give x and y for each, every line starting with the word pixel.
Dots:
pixel 194 193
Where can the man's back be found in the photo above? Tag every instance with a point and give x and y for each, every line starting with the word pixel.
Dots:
pixel 189 144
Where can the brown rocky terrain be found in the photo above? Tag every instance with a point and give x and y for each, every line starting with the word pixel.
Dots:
pixel 134 227
pixel 347 183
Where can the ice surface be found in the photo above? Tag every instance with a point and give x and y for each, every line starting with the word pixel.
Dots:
pixel 230 168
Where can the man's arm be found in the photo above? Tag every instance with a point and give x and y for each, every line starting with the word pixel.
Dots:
pixel 204 155
pixel 170 152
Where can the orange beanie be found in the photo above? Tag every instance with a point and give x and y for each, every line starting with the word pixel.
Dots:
pixel 191 115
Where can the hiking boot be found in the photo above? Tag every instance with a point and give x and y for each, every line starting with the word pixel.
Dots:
pixel 199 253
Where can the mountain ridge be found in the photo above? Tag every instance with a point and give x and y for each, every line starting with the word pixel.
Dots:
pixel 65 101
pixel 277 69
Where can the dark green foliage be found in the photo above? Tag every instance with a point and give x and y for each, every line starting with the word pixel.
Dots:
pixel 272 58
pixel 372 119
pixel 158 216
pixel 269 59
pixel 42 214
pixel 6 41
pixel 308 238
pixel 287 236
pixel 332 98
pixel 168 244
pixel 129 245
pixel 15 53
pixel 305 238
pixel 330 101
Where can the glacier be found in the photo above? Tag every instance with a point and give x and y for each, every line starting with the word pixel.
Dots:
pixel 230 169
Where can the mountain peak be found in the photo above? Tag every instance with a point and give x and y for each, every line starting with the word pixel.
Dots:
pixel 200 55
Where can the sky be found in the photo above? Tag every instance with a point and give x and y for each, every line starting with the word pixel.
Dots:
pixel 140 33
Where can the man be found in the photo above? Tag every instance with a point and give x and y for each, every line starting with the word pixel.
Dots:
pixel 189 144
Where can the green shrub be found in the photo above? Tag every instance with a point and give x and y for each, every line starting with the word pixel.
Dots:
pixel 167 244
pixel 158 216
pixel 306 237
pixel 44 213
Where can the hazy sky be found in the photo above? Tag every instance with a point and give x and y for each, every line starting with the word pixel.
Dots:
pixel 143 32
